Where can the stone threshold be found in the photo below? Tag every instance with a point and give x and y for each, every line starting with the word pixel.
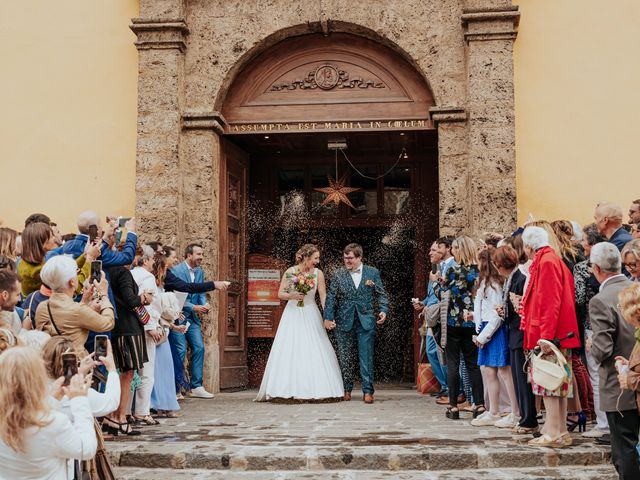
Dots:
pixel 192 455
pixel 535 473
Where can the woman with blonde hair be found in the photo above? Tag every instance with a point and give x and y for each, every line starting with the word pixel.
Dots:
pixel 568 251
pixel 7 338
pixel 8 243
pixel 460 283
pixel 35 441
pixel 302 364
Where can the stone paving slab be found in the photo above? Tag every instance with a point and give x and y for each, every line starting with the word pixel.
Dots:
pixel 566 473
pixel 402 431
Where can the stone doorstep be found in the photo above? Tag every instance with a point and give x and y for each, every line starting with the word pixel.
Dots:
pixel 600 472
pixel 185 455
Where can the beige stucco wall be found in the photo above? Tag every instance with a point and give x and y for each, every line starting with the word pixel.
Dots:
pixel 577 72
pixel 67 108
pixel 68 96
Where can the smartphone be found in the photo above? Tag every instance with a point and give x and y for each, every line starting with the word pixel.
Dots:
pixel 69 366
pixel 100 346
pixel 434 268
pixel 96 271
pixel 93 233
pixel 122 221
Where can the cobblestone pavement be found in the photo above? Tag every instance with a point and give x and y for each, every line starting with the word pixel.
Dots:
pixel 403 435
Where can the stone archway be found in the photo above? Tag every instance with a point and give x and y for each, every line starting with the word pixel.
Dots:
pixel 189 53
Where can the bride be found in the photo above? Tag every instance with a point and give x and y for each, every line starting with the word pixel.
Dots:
pixel 302 363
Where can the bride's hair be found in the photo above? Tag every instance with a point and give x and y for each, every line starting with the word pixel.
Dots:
pixel 306 251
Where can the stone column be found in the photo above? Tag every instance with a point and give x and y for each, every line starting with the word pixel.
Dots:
pixel 453 178
pixel 489 35
pixel 161 45
pixel 201 156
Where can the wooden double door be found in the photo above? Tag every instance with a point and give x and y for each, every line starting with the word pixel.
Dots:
pixel 232 335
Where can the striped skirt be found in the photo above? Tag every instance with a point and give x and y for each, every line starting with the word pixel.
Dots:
pixel 129 352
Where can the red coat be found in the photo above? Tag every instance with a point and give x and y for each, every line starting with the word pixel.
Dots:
pixel 548 307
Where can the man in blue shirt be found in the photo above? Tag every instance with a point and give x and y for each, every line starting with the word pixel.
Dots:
pixel 439 254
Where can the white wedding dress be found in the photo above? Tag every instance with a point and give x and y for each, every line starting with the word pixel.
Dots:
pixel 302 363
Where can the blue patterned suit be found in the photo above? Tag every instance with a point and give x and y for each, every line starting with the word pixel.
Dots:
pixel 353 311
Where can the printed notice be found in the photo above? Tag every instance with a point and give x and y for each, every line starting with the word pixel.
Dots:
pixel 263 287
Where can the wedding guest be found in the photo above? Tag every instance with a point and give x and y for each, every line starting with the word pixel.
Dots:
pixel 163 396
pixel 37 218
pixel 9 298
pixel 629 300
pixel 613 337
pixel 568 250
pixel 554 243
pixel 190 272
pixel 36 441
pixel 100 404
pixel 37 240
pixel 506 259
pixel 8 243
pixel 143 276
pixel 634 212
pixel 129 346
pixel 492 340
pixel 60 315
pixel 608 217
pixel 7 338
pixel 548 313
pixel 587 287
pixel 635 230
pixel 460 282
pixel 431 347
pixel 631 259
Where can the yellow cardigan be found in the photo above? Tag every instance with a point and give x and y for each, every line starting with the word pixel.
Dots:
pixel 30 274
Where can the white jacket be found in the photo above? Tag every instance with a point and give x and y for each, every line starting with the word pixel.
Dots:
pixel 484 310
pixel 49 447
pixel 147 283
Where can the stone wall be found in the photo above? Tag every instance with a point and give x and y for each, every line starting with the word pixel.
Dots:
pixel 191 51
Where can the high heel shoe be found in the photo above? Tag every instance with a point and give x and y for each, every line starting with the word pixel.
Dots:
pixel 453 413
pixel 581 423
pixel 123 428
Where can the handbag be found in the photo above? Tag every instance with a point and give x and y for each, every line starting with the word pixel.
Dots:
pixel 546 373
pixel 98 468
pixel 143 314
pixel 426 381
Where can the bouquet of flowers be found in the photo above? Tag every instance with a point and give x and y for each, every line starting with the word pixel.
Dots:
pixel 301 283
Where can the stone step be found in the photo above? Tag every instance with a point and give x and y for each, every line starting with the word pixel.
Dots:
pixel 198 455
pixel 571 472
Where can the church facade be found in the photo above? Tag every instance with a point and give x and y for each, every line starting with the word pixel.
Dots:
pixel 217 79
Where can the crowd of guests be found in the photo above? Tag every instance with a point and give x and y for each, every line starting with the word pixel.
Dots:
pixel 94 333
pixel 546 318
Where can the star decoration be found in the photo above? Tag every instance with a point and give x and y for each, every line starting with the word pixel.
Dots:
pixel 337 192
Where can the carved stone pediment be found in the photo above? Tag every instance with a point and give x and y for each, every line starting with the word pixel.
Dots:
pixel 339 77
pixel 327 77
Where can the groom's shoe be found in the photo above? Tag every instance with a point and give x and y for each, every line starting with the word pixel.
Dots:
pixel 368 398
pixel 347 396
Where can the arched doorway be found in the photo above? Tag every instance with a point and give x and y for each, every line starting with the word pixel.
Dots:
pixel 308 107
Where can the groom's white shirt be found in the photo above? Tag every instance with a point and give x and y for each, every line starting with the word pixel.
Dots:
pixel 356 275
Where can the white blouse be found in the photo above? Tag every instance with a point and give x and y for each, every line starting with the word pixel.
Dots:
pixel 49 447
pixel 484 310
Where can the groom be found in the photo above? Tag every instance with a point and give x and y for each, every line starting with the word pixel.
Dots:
pixel 353 293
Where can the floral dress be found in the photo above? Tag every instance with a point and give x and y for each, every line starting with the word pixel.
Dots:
pixel 460 280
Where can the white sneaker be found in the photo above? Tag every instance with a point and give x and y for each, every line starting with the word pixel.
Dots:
pixel 508 421
pixel 200 392
pixel 594 433
pixel 485 419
